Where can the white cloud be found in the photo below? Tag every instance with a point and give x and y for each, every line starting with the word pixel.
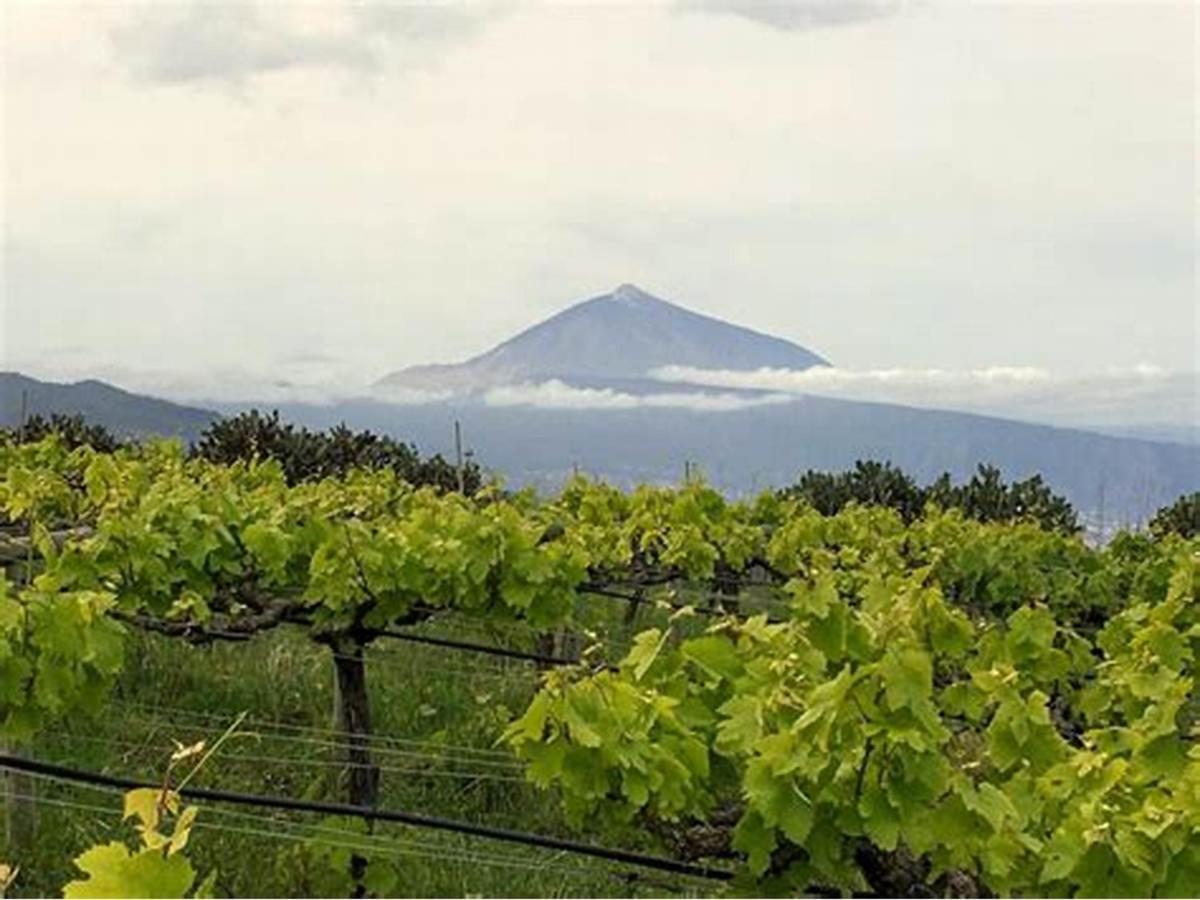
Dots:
pixel 1140 393
pixel 555 394
pixel 798 15
pixel 233 42
pixel 830 378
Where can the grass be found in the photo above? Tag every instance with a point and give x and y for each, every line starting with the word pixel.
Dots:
pixel 437 714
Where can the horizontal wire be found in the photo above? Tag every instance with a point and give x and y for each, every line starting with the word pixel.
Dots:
pixel 153 742
pixel 268 724
pixel 473 629
pixel 351 840
pixel 406 817
pixel 297 761
pixel 372 844
pixel 468 671
pixel 293 726
pixel 486 625
pixel 403 849
pixel 466 663
pixel 278 819
pixel 491 763
pixel 384 648
pixel 502 652
pixel 517 629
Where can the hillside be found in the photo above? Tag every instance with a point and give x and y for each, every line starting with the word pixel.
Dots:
pixel 1120 480
pixel 620 335
pixel 123 413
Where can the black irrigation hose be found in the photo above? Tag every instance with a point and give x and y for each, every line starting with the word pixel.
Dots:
pixel 628 857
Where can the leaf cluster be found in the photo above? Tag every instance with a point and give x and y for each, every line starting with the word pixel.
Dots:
pixel 156 867
pixel 882 727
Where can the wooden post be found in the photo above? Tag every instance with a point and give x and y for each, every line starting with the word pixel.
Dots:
pixel 458 457
pixel 24 415
pixel 354 708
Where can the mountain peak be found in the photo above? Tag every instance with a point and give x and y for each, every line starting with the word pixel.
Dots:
pixel 625 334
pixel 630 293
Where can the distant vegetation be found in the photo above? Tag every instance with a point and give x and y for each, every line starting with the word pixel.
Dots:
pixel 307 455
pixel 303 454
pixel 73 431
pixel 312 455
pixel 1182 518
pixel 985 498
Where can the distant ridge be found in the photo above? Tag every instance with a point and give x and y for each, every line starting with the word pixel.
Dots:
pixel 123 413
pixel 1122 479
pixel 622 335
pixel 1110 480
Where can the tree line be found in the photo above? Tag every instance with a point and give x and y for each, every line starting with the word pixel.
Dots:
pixel 308 455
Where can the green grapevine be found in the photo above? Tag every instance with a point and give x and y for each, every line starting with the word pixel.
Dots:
pixel 872 704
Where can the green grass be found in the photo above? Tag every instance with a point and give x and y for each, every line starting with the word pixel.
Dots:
pixel 458 702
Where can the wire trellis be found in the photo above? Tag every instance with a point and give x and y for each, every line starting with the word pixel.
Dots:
pixel 389 744
pixel 324 835
pixel 261 759
pixel 279 827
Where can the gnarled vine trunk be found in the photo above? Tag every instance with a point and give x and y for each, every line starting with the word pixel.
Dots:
pixel 354 713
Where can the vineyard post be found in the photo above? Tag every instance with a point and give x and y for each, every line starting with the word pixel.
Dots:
pixel 458 457
pixel 24 415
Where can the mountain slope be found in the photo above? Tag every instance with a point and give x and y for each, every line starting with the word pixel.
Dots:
pixel 621 335
pixel 123 413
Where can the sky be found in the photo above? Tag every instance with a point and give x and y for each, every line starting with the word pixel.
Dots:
pixel 204 197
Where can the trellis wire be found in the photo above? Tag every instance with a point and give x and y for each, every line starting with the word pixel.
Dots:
pixel 496 763
pixel 350 840
pixel 438 823
pixel 313 729
pixel 297 761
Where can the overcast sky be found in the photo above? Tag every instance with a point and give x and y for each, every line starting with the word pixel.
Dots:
pixel 325 190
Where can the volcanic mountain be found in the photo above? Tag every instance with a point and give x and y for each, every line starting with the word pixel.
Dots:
pixel 619 337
